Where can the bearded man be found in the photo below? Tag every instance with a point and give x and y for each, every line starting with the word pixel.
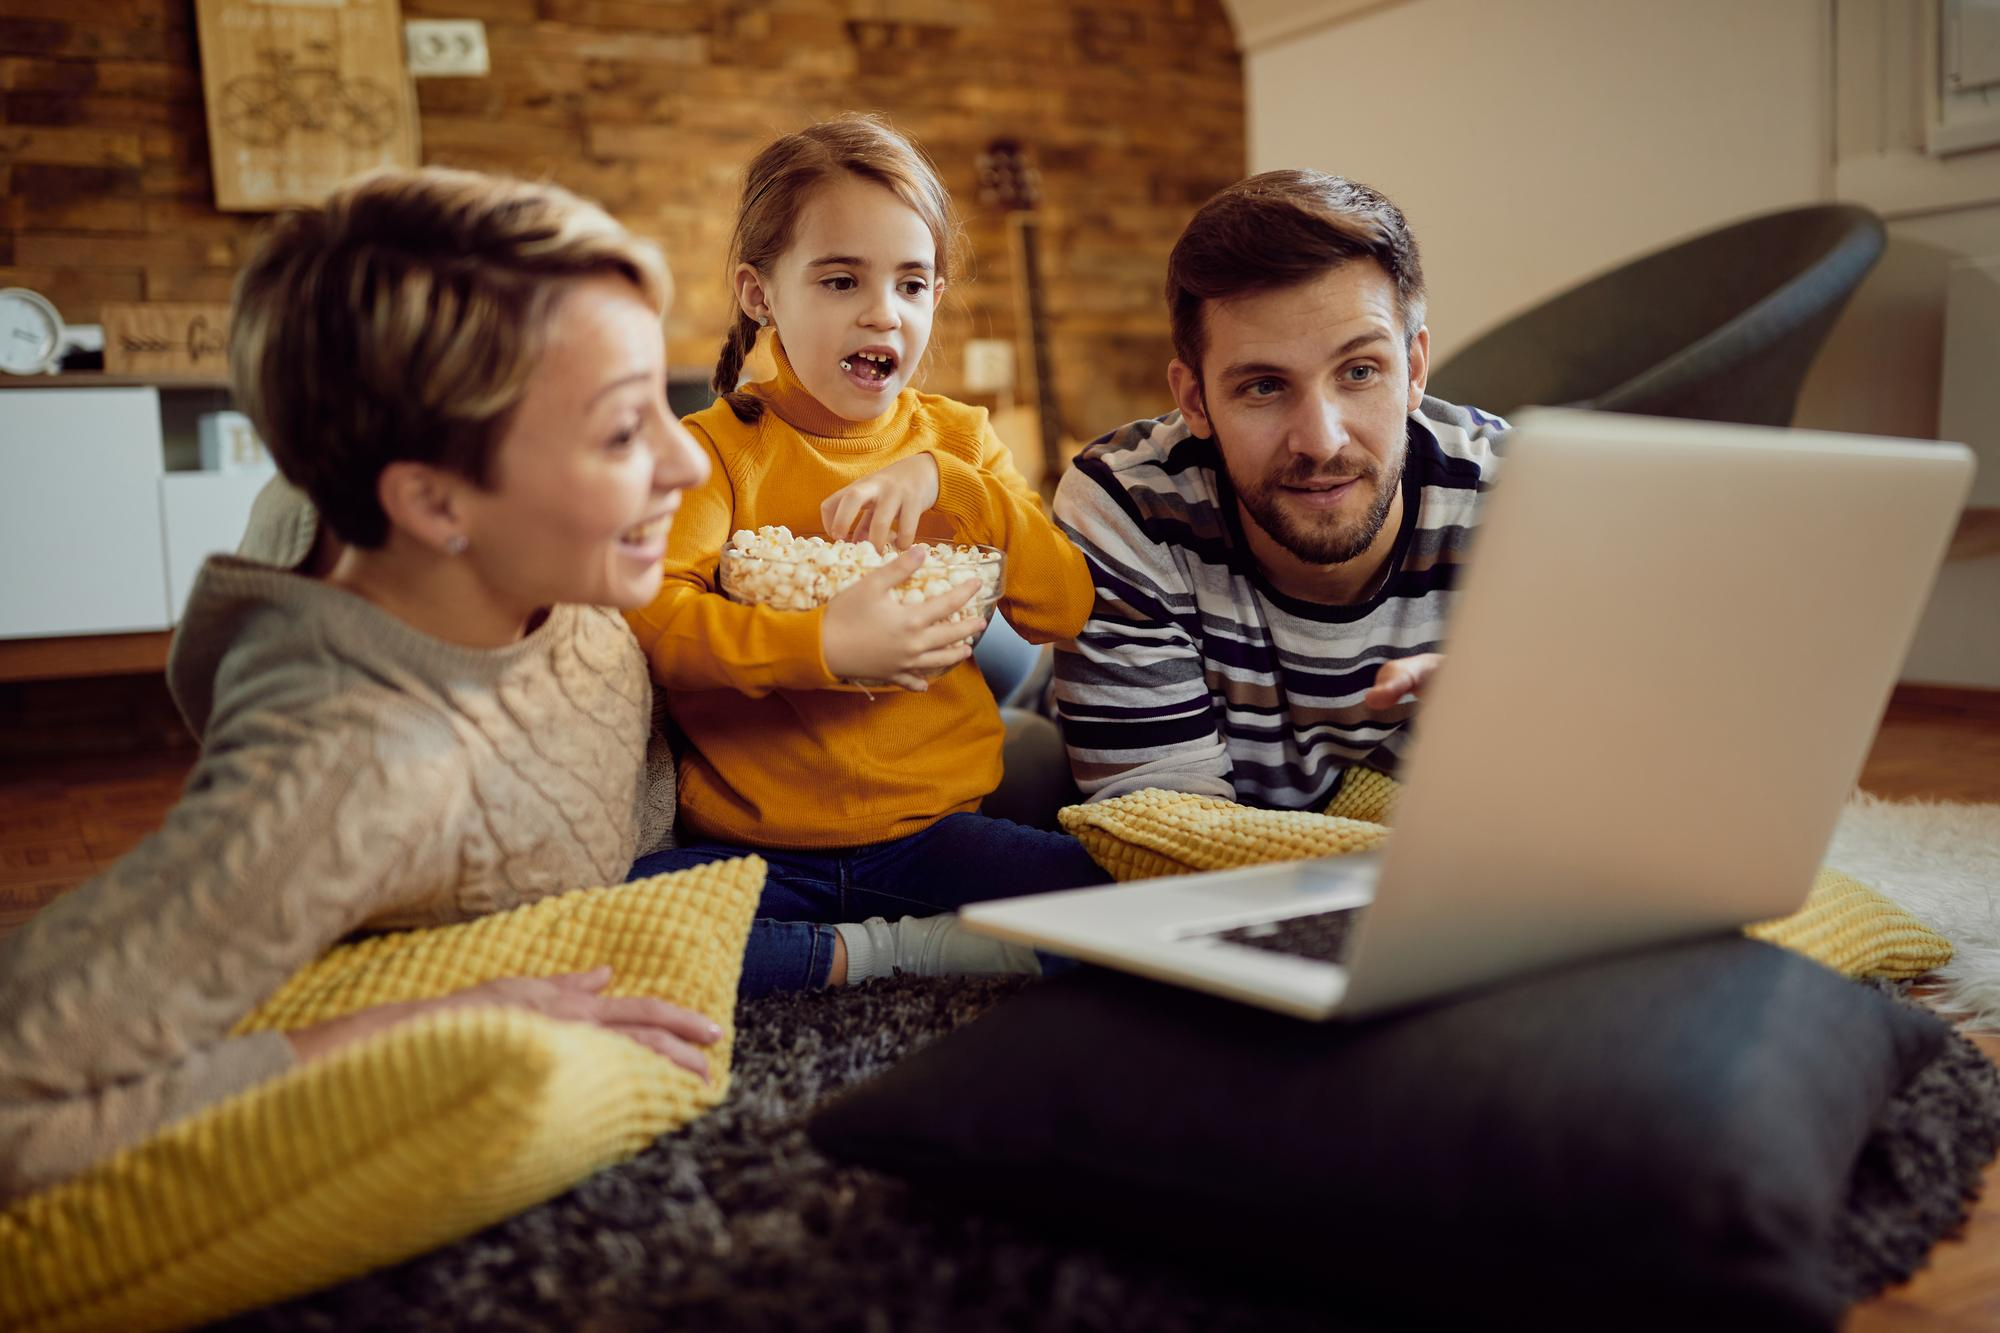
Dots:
pixel 1274 561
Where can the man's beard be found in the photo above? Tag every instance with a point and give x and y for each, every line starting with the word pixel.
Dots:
pixel 1322 539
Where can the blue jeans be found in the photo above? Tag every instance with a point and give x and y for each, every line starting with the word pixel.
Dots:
pixel 964 858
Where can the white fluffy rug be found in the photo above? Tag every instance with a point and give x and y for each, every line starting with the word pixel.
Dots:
pixel 1941 861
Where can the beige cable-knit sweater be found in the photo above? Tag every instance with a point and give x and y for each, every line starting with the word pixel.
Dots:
pixel 355 773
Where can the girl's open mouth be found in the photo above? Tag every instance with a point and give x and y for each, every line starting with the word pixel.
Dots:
pixel 869 370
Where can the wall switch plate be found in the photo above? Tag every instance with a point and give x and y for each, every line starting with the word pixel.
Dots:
pixel 438 48
pixel 989 365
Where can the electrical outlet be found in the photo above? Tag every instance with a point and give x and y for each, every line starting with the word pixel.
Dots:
pixel 438 48
pixel 989 365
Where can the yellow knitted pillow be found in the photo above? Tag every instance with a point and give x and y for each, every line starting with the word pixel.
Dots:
pixel 1856 931
pixel 1154 832
pixel 400 1143
pixel 1844 923
pixel 678 937
pixel 1365 794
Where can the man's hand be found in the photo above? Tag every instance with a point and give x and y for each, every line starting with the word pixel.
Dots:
pixel 1402 678
pixel 883 507
pixel 867 634
pixel 575 997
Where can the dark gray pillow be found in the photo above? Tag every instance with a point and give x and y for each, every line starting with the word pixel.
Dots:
pixel 1657 1140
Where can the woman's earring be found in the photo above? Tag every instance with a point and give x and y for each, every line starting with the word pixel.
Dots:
pixel 763 320
pixel 455 544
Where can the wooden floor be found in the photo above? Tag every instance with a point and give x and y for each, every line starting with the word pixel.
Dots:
pixel 62 821
pixel 88 769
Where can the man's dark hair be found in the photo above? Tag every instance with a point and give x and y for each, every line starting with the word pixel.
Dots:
pixel 1281 228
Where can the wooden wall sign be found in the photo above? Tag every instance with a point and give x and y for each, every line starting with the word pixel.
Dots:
pixel 302 94
pixel 177 339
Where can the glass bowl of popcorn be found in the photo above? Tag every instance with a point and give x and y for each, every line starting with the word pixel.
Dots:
pixel 788 571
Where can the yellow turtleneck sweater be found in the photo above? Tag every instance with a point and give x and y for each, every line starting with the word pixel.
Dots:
pixel 778 753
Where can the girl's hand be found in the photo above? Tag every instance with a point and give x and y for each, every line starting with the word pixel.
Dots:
pixel 666 1029
pixel 884 506
pixel 867 634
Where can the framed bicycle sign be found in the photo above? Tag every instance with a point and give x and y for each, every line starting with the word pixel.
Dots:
pixel 302 96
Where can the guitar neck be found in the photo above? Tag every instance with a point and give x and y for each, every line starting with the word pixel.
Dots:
pixel 1027 238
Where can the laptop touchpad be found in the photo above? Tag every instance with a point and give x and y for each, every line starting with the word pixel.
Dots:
pixel 1306 886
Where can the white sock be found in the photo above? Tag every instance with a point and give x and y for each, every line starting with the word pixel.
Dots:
pixel 929 946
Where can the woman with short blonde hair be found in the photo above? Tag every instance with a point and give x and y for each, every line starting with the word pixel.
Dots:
pixel 467 378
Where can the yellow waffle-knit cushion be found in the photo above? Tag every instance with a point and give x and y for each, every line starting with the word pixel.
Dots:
pixel 1844 923
pixel 1154 832
pixel 400 1143
pixel 1365 794
pixel 1853 929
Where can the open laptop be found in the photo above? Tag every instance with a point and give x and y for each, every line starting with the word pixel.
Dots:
pixel 1665 664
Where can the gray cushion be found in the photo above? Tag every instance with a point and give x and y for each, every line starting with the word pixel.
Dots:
pixel 1667 1135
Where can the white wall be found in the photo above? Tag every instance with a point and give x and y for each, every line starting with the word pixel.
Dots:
pixel 1533 143
pixel 1880 369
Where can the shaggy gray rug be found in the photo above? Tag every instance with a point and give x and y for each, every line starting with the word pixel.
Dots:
pixel 738 1223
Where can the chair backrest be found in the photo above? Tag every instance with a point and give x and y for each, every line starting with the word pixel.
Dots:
pixel 1720 327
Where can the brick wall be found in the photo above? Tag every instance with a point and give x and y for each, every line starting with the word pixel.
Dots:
pixel 1134 109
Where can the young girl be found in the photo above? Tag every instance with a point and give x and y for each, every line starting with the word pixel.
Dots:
pixel 863 803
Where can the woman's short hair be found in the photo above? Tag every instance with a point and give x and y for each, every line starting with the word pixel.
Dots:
pixel 402 319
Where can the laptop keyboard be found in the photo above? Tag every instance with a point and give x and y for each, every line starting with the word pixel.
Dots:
pixel 1322 936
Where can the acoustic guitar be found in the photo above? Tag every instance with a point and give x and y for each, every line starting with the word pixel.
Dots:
pixel 1033 431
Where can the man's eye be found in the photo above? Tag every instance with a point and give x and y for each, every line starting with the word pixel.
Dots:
pixel 1263 388
pixel 1359 374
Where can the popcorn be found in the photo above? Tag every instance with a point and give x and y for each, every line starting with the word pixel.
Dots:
pixel 774 567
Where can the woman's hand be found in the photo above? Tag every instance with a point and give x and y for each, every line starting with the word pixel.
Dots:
pixel 884 506
pixel 1404 676
pixel 867 634
pixel 573 997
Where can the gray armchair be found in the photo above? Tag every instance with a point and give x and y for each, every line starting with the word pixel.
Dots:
pixel 1720 327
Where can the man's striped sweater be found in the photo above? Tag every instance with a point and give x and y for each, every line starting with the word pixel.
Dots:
pixel 1194 673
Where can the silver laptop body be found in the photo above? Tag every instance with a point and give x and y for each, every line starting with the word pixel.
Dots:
pixel 1666 661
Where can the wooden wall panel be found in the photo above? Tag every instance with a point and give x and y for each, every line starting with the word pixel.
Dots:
pixel 300 98
pixel 1134 109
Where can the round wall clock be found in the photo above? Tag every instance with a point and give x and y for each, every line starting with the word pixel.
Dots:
pixel 31 332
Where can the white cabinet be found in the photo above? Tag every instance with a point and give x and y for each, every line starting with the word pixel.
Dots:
pixel 97 536
pixel 204 514
pixel 81 548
